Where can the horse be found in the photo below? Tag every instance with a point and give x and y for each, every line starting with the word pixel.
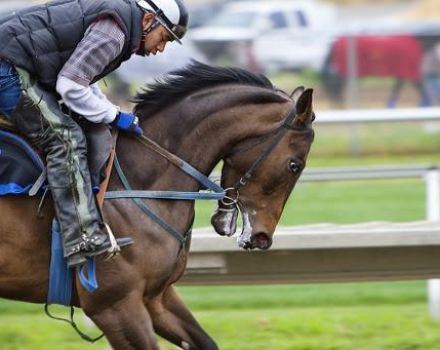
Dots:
pixel 396 56
pixel 201 114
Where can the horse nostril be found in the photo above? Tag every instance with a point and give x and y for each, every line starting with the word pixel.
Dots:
pixel 262 241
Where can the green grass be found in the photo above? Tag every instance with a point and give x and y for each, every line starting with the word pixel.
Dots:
pixel 330 328
pixel 346 202
pixel 303 296
pixel 34 331
pixel 369 316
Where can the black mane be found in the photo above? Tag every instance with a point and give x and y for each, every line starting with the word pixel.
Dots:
pixel 194 77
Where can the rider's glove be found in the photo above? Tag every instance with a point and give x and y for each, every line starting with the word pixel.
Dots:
pixel 127 122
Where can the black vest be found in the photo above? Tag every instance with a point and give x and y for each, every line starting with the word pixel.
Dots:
pixel 41 38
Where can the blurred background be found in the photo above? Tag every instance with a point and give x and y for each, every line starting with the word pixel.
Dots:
pixel 375 69
pixel 355 53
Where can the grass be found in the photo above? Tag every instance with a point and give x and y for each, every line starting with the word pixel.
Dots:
pixel 330 328
pixel 368 316
pixel 378 200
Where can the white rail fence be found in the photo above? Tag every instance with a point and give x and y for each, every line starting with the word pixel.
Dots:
pixel 378 115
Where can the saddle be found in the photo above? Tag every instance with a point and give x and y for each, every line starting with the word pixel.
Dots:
pixel 22 170
pixel 22 167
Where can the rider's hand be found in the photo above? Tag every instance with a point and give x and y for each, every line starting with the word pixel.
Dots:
pixel 127 122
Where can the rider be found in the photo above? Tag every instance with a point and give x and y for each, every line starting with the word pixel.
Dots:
pixel 59 50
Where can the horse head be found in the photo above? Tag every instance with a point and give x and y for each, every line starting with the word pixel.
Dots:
pixel 262 134
pixel 260 174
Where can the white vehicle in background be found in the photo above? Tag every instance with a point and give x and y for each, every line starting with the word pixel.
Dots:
pixel 293 50
pixel 238 26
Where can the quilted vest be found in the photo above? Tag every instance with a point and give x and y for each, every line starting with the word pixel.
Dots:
pixel 41 38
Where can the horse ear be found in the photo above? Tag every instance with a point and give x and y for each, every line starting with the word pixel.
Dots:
pixel 297 93
pixel 304 108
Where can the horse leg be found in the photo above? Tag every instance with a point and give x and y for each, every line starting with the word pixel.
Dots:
pixel 425 99
pixel 395 91
pixel 126 324
pixel 173 321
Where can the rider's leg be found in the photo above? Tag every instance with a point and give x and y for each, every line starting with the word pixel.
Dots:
pixel 10 89
pixel 39 117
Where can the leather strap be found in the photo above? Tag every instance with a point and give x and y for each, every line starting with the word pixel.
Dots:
pixel 5 123
pixel 104 185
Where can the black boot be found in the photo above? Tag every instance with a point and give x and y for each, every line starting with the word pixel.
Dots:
pixel 39 117
pixel 99 243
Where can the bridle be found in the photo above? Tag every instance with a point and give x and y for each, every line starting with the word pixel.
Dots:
pixel 232 202
pixel 217 192
pixel 279 134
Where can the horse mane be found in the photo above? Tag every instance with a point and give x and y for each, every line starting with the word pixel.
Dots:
pixel 192 78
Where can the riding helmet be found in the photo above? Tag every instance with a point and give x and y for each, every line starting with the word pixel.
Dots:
pixel 172 14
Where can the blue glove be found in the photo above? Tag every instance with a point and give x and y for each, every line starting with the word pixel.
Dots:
pixel 128 122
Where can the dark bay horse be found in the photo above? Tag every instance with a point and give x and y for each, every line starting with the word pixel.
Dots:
pixel 203 115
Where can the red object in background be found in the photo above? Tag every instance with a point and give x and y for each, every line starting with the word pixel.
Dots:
pixel 381 56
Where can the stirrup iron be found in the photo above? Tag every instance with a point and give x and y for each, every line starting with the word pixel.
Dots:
pixel 114 248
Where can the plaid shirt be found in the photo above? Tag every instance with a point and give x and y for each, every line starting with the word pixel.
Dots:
pixel 102 43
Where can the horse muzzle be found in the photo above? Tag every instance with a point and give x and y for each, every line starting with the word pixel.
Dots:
pixel 225 224
pixel 259 240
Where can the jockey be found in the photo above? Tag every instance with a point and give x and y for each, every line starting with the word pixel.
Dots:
pixel 58 50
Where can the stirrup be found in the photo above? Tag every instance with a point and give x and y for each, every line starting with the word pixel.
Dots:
pixel 114 249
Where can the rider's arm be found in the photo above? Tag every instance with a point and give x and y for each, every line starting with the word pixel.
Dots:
pixel 102 43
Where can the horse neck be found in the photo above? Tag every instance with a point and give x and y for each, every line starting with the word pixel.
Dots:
pixel 199 131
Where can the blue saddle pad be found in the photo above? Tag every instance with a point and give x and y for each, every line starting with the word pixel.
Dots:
pixel 20 165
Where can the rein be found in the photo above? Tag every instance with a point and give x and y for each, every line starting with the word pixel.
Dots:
pixel 217 194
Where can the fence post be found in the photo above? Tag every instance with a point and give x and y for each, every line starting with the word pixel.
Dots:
pixel 352 91
pixel 433 214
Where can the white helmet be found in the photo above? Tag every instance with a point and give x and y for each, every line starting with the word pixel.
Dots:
pixel 172 14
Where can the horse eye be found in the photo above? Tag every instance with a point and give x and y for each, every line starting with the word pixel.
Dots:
pixel 294 167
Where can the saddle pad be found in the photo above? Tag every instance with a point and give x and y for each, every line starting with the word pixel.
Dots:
pixel 20 165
